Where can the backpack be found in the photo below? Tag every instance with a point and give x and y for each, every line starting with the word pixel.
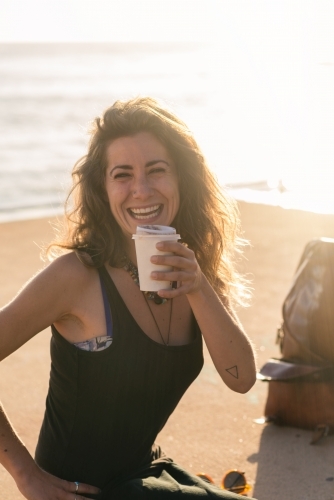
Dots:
pixel 301 382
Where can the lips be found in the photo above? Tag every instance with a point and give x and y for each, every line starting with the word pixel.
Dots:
pixel 145 213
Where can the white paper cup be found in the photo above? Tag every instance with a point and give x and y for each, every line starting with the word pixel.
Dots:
pixel 145 248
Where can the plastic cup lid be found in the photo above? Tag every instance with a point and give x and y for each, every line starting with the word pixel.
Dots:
pixel 155 229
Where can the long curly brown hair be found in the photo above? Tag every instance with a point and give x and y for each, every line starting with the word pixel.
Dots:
pixel 207 219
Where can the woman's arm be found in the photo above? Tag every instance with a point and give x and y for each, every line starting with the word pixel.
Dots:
pixel 46 298
pixel 41 301
pixel 31 480
pixel 61 294
pixel 228 344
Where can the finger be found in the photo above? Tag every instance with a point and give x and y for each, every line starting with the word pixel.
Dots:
pixel 173 246
pixel 175 292
pixel 88 488
pixel 174 275
pixel 78 488
pixel 174 261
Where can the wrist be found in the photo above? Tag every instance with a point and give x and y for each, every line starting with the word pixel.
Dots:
pixel 20 465
pixel 201 289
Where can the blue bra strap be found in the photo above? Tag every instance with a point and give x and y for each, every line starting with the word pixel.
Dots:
pixel 107 311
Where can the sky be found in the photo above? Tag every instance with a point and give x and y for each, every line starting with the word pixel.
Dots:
pixel 158 20
pixel 105 20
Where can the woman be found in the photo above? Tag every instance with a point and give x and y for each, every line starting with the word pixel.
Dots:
pixel 121 358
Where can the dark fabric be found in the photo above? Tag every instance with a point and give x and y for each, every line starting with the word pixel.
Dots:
pixel 107 311
pixel 104 409
pixel 168 481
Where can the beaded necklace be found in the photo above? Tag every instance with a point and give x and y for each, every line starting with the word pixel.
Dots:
pixel 133 271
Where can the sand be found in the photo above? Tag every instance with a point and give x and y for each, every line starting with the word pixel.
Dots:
pixel 213 429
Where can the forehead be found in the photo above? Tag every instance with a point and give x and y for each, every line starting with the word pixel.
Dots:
pixel 142 146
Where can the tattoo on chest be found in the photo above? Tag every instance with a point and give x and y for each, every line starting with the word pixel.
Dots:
pixel 233 371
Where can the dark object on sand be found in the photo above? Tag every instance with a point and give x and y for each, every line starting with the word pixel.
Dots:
pixel 301 383
pixel 235 481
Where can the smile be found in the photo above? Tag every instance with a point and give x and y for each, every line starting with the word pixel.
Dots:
pixel 145 213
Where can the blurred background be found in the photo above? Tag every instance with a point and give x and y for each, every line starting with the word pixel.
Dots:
pixel 253 80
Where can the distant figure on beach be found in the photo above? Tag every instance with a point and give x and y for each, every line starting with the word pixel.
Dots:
pixel 122 358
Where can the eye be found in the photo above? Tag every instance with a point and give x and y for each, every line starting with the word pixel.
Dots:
pixel 157 170
pixel 121 175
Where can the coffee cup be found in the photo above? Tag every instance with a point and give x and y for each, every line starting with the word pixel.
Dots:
pixel 146 239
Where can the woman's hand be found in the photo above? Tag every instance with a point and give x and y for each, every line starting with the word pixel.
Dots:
pixel 186 270
pixel 40 485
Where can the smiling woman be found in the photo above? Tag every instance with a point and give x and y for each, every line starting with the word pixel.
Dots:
pixel 122 358
pixel 134 132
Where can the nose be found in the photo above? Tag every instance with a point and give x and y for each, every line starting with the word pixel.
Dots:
pixel 141 188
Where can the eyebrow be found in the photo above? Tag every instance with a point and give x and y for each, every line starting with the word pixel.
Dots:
pixel 148 164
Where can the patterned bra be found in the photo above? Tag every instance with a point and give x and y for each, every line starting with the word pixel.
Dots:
pixel 102 342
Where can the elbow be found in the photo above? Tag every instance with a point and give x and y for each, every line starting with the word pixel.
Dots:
pixel 240 386
pixel 248 385
pixel 244 386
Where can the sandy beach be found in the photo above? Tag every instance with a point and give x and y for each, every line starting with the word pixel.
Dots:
pixel 213 429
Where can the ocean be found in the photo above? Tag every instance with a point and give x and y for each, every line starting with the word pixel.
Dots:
pixel 267 141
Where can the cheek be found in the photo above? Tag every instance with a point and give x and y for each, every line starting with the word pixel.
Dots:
pixel 116 193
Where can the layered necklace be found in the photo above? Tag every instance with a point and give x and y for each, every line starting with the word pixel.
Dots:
pixel 133 271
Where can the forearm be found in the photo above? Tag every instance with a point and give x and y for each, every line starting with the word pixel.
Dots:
pixel 14 456
pixel 228 344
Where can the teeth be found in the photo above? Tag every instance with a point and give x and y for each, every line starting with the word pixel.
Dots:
pixel 141 217
pixel 145 210
pixel 138 213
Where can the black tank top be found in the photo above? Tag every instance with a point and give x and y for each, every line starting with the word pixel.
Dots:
pixel 104 409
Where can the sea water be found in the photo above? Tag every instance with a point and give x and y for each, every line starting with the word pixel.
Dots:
pixel 263 145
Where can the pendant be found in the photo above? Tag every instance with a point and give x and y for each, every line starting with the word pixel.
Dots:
pixel 157 299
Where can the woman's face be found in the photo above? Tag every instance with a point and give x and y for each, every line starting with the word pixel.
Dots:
pixel 141 182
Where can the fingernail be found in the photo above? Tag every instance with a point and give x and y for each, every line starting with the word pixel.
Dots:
pixel 154 276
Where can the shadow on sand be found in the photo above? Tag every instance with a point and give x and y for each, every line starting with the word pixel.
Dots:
pixel 290 468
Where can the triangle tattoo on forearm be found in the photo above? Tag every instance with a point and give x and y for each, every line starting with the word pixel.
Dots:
pixel 233 371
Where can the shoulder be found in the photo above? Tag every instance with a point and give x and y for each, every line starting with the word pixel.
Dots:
pixel 59 290
pixel 65 273
pixel 71 263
